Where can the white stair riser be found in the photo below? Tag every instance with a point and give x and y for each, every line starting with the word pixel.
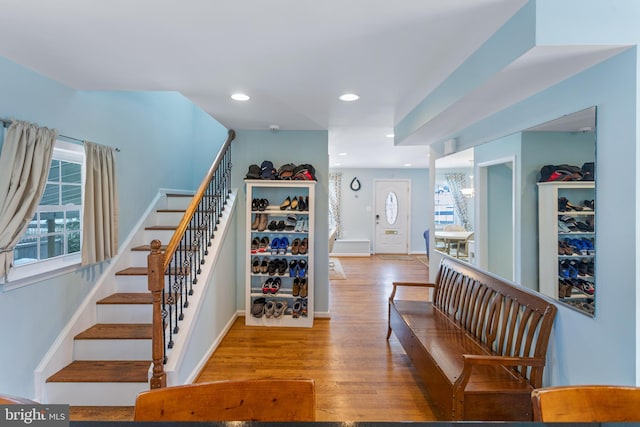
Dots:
pixel 112 349
pixel 139 258
pixel 132 283
pixel 124 313
pixel 93 394
pixel 178 202
pixel 163 235
pixel 168 218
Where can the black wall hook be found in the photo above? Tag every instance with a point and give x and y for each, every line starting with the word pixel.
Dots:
pixel 355 184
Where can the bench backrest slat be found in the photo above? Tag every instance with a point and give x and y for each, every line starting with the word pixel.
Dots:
pixel 508 319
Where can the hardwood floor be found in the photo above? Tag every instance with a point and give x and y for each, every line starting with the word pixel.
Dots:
pixel 359 375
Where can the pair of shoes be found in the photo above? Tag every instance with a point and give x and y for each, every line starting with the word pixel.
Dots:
pixel 586 268
pixel 303 204
pixel 259 222
pixel 255 265
pixel 581 246
pixel 275 308
pixel 299 305
pixel 300 287
pixel 298 268
pixel 564 289
pixel 290 225
pixel 278 265
pixel 295 246
pixel 289 203
pixel 564 249
pixel 567 269
pixel 276 225
pixel 262 244
pixel 564 205
pixel 259 204
pixel 584 286
pixel 304 246
pixel 257 308
pixel 279 246
pixel 271 286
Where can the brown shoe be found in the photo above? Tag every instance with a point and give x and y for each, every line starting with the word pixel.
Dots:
pixel 256 222
pixel 304 288
pixel 295 247
pixel 304 246
pixel 262 224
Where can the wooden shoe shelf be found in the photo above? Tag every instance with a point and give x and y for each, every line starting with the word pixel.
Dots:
pixel 298 308
pixel 552 237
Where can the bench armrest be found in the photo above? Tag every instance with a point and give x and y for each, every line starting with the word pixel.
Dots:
pixel 481 359
pixel 413 284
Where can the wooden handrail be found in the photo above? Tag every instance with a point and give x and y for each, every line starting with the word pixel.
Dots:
pixel 186 218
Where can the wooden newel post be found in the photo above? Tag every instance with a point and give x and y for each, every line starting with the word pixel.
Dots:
pixel 155 263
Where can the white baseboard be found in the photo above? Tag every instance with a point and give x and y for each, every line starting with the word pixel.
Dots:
pixel 351 247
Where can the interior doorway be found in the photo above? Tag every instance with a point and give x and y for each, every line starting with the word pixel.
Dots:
pixel 391 216
pixel 496 239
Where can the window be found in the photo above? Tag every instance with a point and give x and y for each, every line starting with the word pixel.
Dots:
pixel 55 229
pixel 391 208
pixel 444 212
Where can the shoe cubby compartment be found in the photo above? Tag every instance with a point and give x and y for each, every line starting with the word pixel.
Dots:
pixel 567 243
pixel 279 253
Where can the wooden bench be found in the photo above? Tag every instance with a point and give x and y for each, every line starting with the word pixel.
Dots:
pixel 479 344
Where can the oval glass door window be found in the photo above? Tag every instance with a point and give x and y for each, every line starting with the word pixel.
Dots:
pixel 391 207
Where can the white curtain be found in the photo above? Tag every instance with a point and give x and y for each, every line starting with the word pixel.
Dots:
pixel 100 215
pixel 24 167
pixel 335 202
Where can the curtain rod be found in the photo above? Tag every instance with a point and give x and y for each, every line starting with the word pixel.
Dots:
pixel 7 122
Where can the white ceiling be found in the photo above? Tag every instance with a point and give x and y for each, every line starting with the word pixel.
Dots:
pixel 293 57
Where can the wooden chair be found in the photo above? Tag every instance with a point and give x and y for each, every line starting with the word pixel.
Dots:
pixel 586 403
pixel 246 400
pixel 462 248
pixel 5 399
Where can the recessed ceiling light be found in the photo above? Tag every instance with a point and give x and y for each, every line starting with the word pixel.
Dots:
pixel 342 154
pixel 240 97
pixel 407 165
pixel 389 135
pixel 349 97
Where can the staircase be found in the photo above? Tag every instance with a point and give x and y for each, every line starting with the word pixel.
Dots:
pixel 112 358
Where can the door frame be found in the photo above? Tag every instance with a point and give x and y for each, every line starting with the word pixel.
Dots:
pixel 373 211
pixel 482 211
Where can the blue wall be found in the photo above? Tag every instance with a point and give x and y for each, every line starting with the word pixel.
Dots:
pixel 165 142
pixel 358 208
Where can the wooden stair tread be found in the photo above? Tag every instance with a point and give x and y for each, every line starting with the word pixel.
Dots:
pixel 161 227
pixel 179 195
pixel 114 331
pixel 133 271
pixel 140 271
pixel 170 210
pixel 103 371
pixel 147 248
pixel 128 298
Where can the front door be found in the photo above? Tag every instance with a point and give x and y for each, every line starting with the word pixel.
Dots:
pixel 392 216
